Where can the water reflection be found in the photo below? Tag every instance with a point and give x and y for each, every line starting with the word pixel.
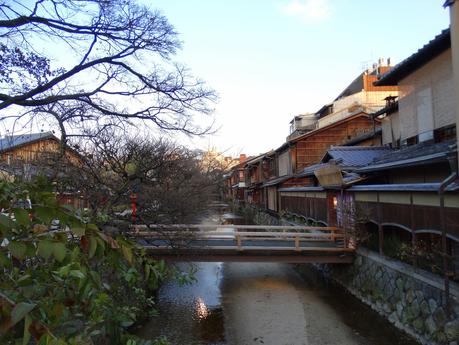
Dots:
pixel 201 309
pixel 190 314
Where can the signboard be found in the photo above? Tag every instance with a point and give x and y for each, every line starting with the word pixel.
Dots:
pixel 329 175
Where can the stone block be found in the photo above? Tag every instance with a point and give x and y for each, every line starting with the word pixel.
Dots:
pixel 400 284
pixel 431 327
pixel 399 309
pixel 452 330
pixel 418 325
pixel 424 306
pixel 433 305
pixel 440 317
pixel 410 296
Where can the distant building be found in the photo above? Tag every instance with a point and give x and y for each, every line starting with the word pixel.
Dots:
pixel 359 96
pixel 26 156
pixel 302 124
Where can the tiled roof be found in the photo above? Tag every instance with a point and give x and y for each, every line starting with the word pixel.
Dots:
pixel 276 181
pixel 302 189
pixel 309 171
pixel 406 187
pixel 432 49
pixel 420 154
pixel 347 157
pixel 355 156
pixel 11 141
pixel 362 137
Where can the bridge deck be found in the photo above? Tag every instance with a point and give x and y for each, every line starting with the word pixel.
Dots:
pixel 240 243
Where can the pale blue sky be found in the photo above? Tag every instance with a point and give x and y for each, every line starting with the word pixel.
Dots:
pixel 270 60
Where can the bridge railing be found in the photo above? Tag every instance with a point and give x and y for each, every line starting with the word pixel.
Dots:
pixel 184 234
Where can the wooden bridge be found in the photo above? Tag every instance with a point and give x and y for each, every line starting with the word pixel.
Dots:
pixel 250 243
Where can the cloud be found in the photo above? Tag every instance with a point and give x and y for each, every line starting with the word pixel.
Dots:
pixel 308 10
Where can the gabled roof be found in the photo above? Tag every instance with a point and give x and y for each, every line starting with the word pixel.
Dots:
pixel 432 49
pixel 354 156
pixel 347 157
pixel 415 155
pixel 257 159
pixel 12 141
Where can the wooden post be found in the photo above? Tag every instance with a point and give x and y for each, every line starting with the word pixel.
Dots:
pixel 413 233
pixel 297 244
pixel 239 242
pixel 380 228
pixel 444 250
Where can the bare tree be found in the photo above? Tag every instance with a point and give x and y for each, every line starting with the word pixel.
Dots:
pixel 116 63
pixel 167 178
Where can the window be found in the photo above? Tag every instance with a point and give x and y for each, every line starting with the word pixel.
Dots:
pixel 445 133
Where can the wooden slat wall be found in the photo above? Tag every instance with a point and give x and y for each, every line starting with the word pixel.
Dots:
pixel 311 149
pixel 315 208
pixel 426 217
pixel 33 151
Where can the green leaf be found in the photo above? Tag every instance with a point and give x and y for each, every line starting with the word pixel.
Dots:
pixel 18 249
pixel 45 248
pixel 127 252
pixel 147 271
pixel 64 270
pixel 44 213
pixel 22 216
pixel 92 246
pixel 77 274
pixel 5 222
pixel 75 254
pixel 92 227
pixel 59 251
pixel 31 250
pixel 20 310
pixel 26 336
pixel 25 280
pixel 78 231
pixel 4 261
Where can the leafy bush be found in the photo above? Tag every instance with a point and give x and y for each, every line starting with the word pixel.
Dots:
pixel 73 285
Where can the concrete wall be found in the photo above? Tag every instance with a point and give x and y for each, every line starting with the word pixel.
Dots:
pixel 427 99
pixel 346 106
pixel 390 128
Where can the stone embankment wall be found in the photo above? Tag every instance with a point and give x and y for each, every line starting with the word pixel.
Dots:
pixel 412 299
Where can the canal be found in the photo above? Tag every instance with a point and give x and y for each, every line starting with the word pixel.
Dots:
pixel 264 303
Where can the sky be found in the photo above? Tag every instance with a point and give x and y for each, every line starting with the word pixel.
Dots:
pixel 270 60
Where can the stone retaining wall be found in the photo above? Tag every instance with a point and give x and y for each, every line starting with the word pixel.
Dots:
pixel 412 299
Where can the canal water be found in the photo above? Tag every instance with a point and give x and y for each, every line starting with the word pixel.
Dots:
pixel 264 303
